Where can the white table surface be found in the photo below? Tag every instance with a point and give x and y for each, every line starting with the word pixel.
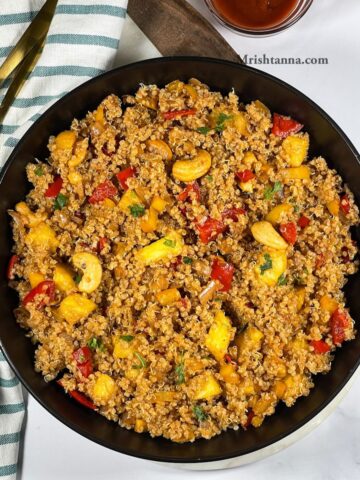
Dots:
pixel 51 451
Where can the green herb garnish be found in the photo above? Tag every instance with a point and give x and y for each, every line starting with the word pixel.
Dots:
pixel 220 121
pixel 142 362
pixel 203 130
pixel 180 372
pixel 60 202
pixel 209 178
pixel 170 243
pixel 96 344
pixel 127 338
pixel 39 172
pixel 282 280
pixel 137 210
pixel 267 265
pixel 199 413
pixel 270 191
pixel 296 208
pixel 187 260
pixel 77 278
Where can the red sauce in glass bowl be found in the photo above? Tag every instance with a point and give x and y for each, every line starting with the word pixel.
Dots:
pixel 255 13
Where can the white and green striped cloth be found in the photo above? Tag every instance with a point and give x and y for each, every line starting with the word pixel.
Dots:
pixel 82 42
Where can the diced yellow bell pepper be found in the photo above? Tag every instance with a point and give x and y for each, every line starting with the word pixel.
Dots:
pixel 249 339
pixel 295 149
pixel 276 214
pixel 35 278
pixel 108 203
pixel 65 140
pixel 75 307
pixel 279 389
pixel 104 388
pixel 219 336
pixel 262 107
pixel 276 260
pixel 328 304
pixel 266 234
pixel 165 248
pixel 42 236
pixel 63 278
pixel 140 425
pixel 91 269
pixel 239 122
pixel 296 173
pixel 300 298
pixel 249 159
pixel 129 198
pixel 122 348
pixel 263 404
pixel 74 177
pixel 166 396
pixel 205 387
pixel 169 296
pixel 334 207
pixel 149 221
pixel 159 204
pixel 99 115
pixel 257 421
pixel 229 374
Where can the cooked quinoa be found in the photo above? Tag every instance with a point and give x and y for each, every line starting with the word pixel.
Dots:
pixel 180 261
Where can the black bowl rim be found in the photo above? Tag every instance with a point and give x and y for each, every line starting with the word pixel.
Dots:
pixel 64 421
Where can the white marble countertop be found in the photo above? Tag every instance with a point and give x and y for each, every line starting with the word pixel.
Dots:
pixel 52 451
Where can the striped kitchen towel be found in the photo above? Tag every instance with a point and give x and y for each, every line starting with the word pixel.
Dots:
pixel 82 42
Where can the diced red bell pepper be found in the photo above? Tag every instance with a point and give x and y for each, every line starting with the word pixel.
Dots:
pixel 104 190
pixel 338 322
pixel 101 244
pixel 228 359
pixel 83 359
pixel 79 397
pixel 233 213
pixel 245 175
pixel 54 188
pixel 10 269
pixel 210 229
pixel 288 232
pixel 284 126
pixel 191 187
pixel 345 204
pixel 303 221
pixel 223 272
pixel 250 416
pixel 46 289
pixel 124 175
pixel 179 113
pixel 320 346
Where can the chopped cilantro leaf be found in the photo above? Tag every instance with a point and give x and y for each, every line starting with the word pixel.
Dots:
pixel 267 265
pixel 180 373
pixel 199 413
pixel 187 260
pixel 203 130
pixel 142 362
pixel 270 191
pixel 77 278
pixel 220 122
pixel 282 280
pixel 39 172
pixel 137 210
pixel 96 344
pixel 210 178
pixel 60 202
pixel 127 338
pixel 170 243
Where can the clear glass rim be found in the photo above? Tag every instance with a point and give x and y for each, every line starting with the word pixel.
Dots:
pixel 299 11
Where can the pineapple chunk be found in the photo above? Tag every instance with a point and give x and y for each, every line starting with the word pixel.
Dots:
pixel 229 374
pixel 129 198
pixel 295 149
pixel 270 266
pixel 63 278
pixel 250 339
pixel 159 204
pixel 35 278
pixel 165 248
pixel 275 215
pixel 205 387
pixel 75 307
pixel 296 173
pixel 91 271
pixel 104 388
pixel 219 336
pixel 42 236
pixel 149 222
pixel 122 348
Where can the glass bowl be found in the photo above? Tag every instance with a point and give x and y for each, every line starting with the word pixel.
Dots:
pixel 300 9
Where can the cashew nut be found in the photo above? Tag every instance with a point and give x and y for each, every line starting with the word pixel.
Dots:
pixel 190 170
pixel 91 268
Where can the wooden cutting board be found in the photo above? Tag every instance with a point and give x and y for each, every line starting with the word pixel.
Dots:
pixel 176 28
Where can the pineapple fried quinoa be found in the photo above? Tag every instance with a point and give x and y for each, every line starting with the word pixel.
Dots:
pixel 180 261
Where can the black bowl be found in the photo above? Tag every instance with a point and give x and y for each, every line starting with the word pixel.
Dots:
pixel 326 139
